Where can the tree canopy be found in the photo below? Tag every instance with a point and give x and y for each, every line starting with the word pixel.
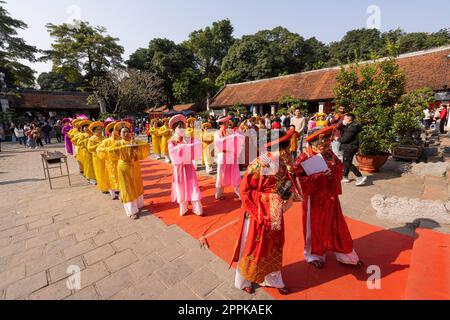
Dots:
pixel 52 81
pixel 13 49
pixel 83 53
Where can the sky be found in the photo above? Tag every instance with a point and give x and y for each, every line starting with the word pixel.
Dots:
pixel 136 22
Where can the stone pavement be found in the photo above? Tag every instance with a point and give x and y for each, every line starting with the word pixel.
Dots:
pixel 44 232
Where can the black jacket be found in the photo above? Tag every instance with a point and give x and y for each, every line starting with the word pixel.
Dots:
pixel 349 138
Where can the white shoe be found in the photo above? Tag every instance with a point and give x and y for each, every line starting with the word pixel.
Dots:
pixel 361 181
pixel 345 180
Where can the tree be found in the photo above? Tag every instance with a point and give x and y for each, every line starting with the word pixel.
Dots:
pixel 167 60
pixel 372 91
pixel 83 52
pixel 270 53
pixel 359 43
pixel 125 92
pixel 190 87
pixel 209 47
pixel 13 49
pixel 52 81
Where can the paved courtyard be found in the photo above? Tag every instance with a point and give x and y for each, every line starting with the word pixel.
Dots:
pixel 44 233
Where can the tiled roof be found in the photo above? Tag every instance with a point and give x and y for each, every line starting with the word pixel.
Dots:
pixel 54 100
pixel 430 68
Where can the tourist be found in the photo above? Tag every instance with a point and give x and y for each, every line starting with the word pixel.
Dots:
pixel 47 129
pixel 259 248
pixel 110 163
pixel 101 175
pixel 276 125
pixel 349 145
pixel 129 152
pixel 443 113
pixel 37 135
pixel 324 224
pixel 57 128
pixel 228 145
pixel 299 121
pixel 20 134
pixel 29 133
pixel 426 118
pixel 267 122
pixel 337 121
pixel 184 149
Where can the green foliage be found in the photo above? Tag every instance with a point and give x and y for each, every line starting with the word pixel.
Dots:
pixel 270 53
pixel 83 52
pixel 291 104
pixel 408 113
pixel 190 87
pixel 210 46
pixel 237 110
pixel 13 50
pixel 106 115
pixel 167 60
pixel 52 81
pixel 371 92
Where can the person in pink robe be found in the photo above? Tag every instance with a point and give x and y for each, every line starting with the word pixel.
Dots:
pixel 67 126
pixel 183 150
pixel 228 146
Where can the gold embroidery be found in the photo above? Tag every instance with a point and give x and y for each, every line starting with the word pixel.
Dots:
pixel 276 212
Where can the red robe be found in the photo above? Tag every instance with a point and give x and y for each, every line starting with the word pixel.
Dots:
pixel 329 231
pixel 263 252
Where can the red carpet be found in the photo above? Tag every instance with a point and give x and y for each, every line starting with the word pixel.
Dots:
pixel 410 268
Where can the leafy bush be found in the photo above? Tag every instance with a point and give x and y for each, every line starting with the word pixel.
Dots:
pixel 371 91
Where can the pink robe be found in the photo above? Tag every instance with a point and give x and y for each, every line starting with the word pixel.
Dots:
pixel 228 150
pixel 185 186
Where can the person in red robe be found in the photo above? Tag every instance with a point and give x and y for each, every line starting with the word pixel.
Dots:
pixel 324 224
pixel 259 248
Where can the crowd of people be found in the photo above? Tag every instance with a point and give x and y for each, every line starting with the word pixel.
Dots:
pixel 286 159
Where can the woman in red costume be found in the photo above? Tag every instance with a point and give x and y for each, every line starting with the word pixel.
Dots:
pixel 266 193
pixel 324 224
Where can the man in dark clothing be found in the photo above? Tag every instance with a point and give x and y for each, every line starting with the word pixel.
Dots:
pixel 443 118
pixel 47 129
pixel 349 146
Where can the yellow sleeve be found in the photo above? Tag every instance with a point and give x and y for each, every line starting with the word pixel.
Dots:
pixel 92 144
pixel 114 152
pixel 143 150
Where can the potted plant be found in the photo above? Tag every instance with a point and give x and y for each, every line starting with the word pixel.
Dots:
pixel 407 127
pixel 371 91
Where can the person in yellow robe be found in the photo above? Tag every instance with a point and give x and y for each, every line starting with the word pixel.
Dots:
pixel 208 147
pixel 71 134
pixel 110 163
pixel 156 138
pixel 128 152
pixel 190 132
pixel 81 141
pixel 166 133
pixel 93 143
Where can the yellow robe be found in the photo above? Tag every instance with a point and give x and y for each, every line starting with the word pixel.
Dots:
pixel 165 134
pixel 79 155
pixel 84 156
pixel 129 169
pixel 71 134
pixel 208 151
pixel 101 174
pixel 156 140
pixel 110 164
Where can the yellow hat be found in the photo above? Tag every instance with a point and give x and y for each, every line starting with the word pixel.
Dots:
pixel 206 125
pixel 122 124
pixel 154 120
pixel 166 121
pixel 191 119
pixel 75 123
pixel 84 123
pixel 96 124
pixel 110 127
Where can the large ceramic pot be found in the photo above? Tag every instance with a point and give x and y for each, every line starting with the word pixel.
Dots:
pixel 371 163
